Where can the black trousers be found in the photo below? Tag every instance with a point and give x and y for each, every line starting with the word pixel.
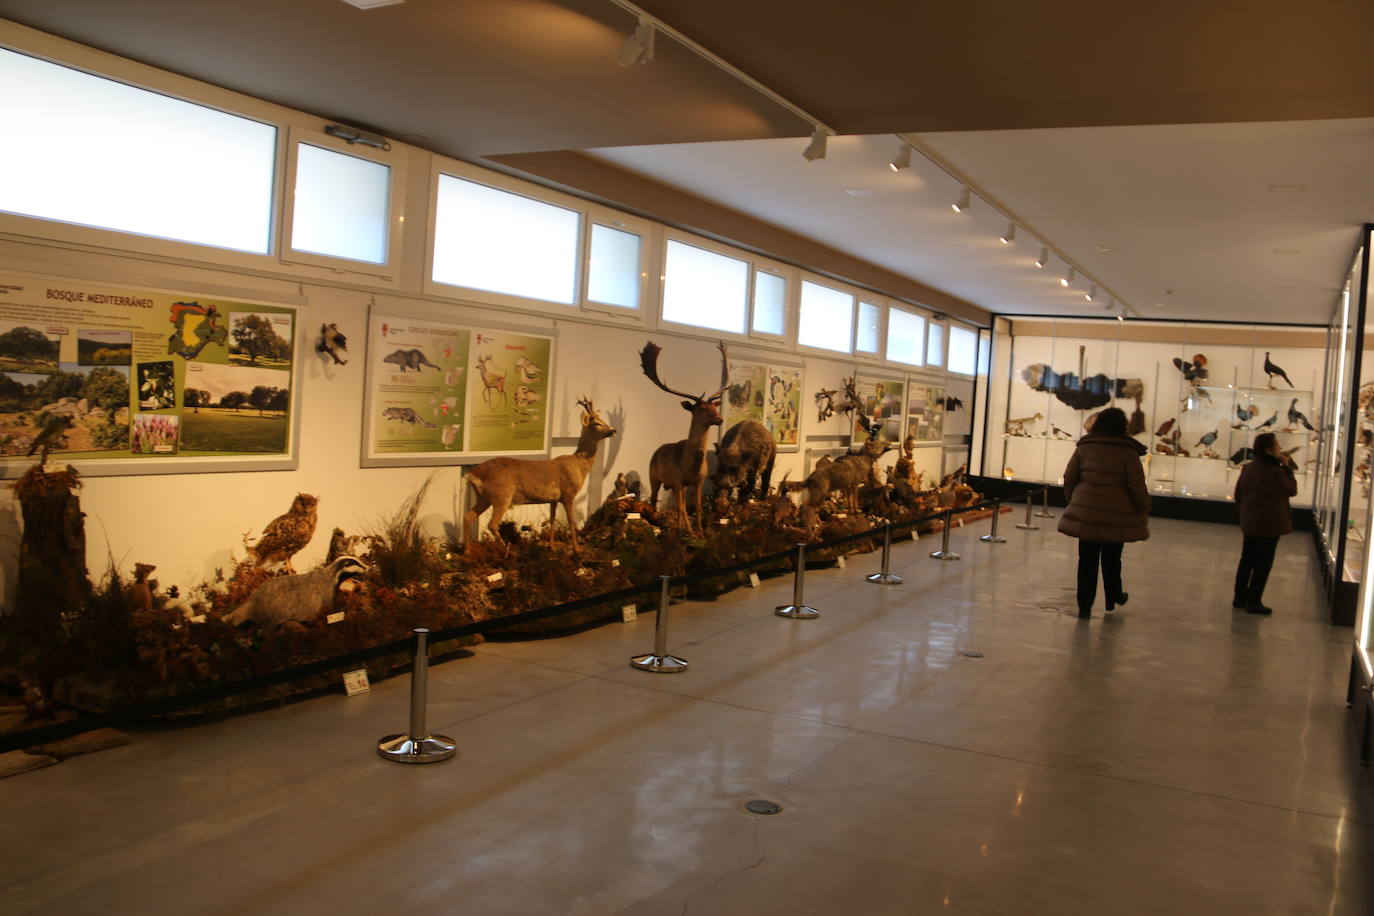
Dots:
pixel 1091 554
pixel 1252 573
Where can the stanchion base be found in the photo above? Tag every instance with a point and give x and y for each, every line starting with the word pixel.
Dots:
pixel 993 539
pixel 885 578
pixel 802 612
pixel 944 555
pixel 405 749
pixel 1045 515
pixel 659 664
pixel 1024 527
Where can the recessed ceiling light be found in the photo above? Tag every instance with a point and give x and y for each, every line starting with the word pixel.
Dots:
pixel 1281 188
pixel 372 4
pixel 1287 251
pixel 1106 248
pixel 858 192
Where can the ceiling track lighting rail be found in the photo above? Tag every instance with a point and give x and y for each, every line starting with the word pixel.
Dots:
pixel 642 37
pixel 968 190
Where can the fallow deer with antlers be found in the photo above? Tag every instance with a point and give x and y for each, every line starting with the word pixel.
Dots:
pixel 500 483
pixel 681 465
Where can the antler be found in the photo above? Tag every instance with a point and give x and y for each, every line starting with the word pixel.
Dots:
pixel 586 405
pixel 648 361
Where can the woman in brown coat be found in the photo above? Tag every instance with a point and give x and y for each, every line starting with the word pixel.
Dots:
pixel 1262 494
pixel 1109 504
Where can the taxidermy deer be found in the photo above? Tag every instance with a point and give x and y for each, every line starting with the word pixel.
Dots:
pixel 681 465
pixel 499 483
pixel 746 451
pixel 845 474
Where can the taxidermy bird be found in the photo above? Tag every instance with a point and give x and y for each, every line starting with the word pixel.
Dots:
pixel 286 599
pixel 1271 370
pixel 51 433
pixel 1269 422
pixel 1194 370
pixel 1245 414
pixel 1242 455
pixel 1207 440
pixel 1059 433
pixel 1165 427
pixel 286 534
pixel 1296 416
pixel 333 342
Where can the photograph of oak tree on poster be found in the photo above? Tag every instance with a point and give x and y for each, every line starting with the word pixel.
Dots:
pixel 260 339
pixel 235 409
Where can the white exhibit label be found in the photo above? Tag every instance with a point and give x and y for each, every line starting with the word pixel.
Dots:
pixel 629 612
pixel 753 580
pixel 335 618
pixel 355 682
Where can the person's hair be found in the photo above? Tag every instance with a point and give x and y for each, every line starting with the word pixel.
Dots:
pixel 1110 422
pixel 1262 443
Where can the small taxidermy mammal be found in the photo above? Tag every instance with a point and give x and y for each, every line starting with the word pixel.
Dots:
pixel 333 342
pixel 140 589
pixel 287 599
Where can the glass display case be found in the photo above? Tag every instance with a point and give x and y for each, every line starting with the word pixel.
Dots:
pixel 1196 394
pixel 1359 524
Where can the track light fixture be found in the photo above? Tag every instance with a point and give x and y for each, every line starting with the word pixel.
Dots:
pixel 1067 278
pixel 1111 303
pixel 1044 257
pixel 962 203
pixel 1091 294
pixel 1008 234
pixel 902 159
pixel 816 148
pixel 639 47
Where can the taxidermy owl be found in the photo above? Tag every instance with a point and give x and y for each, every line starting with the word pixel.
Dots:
pixel 286 534
pixel 287 599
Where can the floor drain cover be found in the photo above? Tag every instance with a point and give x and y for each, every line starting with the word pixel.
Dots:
pixel 971 653
pixel 759 806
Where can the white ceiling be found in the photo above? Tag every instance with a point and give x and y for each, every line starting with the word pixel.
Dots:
pixel 1186 208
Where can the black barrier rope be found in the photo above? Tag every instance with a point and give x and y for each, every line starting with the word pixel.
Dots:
pixel 164 705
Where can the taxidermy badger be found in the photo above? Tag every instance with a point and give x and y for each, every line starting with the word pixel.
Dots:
pixel 285 599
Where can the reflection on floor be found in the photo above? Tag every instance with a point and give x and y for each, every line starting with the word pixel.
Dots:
pixel 1177 757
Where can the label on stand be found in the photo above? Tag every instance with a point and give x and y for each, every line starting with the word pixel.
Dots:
pixel 495 577
pixel 335 617
pixel 631 516
pixel 839 561
pixel 753 580
pixel 355 682
pixel 629 612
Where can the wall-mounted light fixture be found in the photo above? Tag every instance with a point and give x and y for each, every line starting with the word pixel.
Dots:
pixel 1008 234
pixel 1067 278
pixel 902 160
pixel 1044 257
pixel 962 203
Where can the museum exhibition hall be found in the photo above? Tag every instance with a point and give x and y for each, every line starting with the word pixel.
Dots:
pixel 668 427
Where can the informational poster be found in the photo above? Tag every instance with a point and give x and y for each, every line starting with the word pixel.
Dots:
pixel 132 381
pixel 440 391
pixel 770 394
pixel 882 400
pixel 925 412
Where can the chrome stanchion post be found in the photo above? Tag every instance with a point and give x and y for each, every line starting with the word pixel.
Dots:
pixel 994 537
pixel 1044 504
pixel 1029 525
pixel 659 661
pixel 798 609
pixel 944 553
pixel 885 577
pixel 417 745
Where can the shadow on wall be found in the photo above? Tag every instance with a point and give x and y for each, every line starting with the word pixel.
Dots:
pixel 9 554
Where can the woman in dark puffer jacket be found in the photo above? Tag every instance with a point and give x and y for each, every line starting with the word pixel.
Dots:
pixel 1262 494
pixel 1109 504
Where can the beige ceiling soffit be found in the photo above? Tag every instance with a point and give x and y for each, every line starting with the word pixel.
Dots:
pixel 581 175
pixel 1186 336
pixel 1103 294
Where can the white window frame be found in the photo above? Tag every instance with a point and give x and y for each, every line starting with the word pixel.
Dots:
pixel 396 209
pixel 63 53
pixel 949 329
pixel 879 353
pixel 500 182
pixel 790 298
pixel 920 347
pixel 696 241
pixel 648 232
pixel 854 293
pixel 943 323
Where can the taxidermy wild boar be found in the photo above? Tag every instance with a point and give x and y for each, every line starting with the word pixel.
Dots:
pixel 746 451
pixel 285 599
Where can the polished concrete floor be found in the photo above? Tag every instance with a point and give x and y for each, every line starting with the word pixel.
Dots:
pixel 1176 758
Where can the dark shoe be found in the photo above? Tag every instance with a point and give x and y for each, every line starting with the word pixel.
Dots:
pixel 1258 609
pixel 1237 603
pixel 1085 615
